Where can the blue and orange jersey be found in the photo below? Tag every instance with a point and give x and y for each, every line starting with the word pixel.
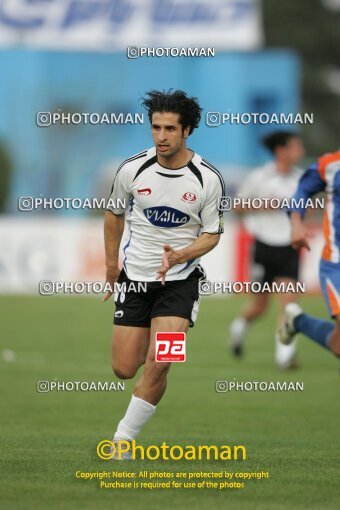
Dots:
pixel 324 176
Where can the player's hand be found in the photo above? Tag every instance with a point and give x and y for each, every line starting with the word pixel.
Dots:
pixel 112 274
pixel 169 259
pixel 300 237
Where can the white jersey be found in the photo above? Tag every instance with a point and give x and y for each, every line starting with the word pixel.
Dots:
pixel 165 206
pixel 270 227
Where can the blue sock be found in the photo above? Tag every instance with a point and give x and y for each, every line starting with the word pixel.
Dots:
pixel 317 329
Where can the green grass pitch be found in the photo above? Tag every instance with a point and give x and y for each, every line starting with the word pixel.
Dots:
pixel 47 437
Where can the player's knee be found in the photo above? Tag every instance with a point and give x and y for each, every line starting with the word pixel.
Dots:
pixel 159 369
pixel 260 308
pixel 124 371
pixel 336 349
pixel 334 343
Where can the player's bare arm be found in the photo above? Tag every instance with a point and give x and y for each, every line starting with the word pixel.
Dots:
pixel 299 232
pixel 113 231
pixel 202 245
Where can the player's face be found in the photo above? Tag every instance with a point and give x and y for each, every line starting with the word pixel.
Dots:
pixel 168 134
pixel 294 151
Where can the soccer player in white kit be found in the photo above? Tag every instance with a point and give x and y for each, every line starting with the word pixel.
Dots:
pixel 273 257
pixel 171 196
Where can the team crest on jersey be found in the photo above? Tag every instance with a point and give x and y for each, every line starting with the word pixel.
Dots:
pixel 167 217
pixel 144 191
pixel 189 197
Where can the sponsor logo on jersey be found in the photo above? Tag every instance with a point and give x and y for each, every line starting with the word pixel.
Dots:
pixel 144 191
pixel 189 197
pixel 166 217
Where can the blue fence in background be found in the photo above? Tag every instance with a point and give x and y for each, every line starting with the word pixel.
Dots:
pixel 67 160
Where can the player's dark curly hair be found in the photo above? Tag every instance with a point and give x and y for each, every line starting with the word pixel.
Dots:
pixel 188 108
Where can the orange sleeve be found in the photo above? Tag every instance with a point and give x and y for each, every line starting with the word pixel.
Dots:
pixel 325 160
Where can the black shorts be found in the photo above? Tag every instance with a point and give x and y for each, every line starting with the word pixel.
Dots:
pixel 270 262
pixel 178 298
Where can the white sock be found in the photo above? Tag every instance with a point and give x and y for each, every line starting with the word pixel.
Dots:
pixel 284 354
pixel 237 330
pixel 137 414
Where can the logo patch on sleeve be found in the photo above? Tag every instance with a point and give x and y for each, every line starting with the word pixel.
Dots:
pixel 144 191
